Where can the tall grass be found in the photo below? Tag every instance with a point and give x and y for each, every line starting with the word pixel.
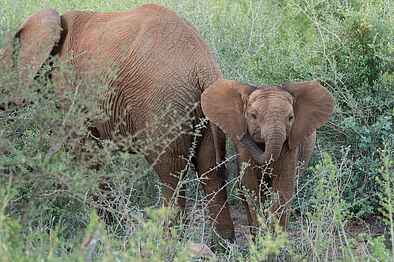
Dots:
pixel 50 186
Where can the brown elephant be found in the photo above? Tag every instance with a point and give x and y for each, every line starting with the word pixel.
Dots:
pixel 151 60
pixel 270 125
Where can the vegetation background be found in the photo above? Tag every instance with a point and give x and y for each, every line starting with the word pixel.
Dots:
pixel 343 210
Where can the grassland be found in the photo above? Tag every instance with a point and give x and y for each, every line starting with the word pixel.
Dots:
pixel 343 209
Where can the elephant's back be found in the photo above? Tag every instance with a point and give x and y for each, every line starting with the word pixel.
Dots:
pixel 151 39
pixel 153 60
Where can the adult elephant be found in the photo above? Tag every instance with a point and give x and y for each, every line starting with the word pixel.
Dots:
pixel 155 66
pixel 273 126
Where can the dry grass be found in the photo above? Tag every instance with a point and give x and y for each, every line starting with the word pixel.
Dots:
pixel 343 206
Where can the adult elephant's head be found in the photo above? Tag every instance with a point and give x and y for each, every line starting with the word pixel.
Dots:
pixel 31 46
pixel 270 115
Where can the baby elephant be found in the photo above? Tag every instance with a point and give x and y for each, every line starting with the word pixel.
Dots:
pixel 270 125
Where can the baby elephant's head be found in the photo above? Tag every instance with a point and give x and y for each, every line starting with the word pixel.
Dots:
pixel 269 115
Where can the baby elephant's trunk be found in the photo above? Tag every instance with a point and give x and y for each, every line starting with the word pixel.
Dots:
pixel 273 147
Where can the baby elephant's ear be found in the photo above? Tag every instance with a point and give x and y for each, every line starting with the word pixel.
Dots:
pixel 223 103
pixel 37 37
pixel 313 105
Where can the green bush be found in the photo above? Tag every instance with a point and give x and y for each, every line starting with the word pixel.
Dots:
pixel 48 164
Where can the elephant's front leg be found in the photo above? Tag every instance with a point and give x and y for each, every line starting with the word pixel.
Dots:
pixel 283 183
pixel 171 167
pixel 251 178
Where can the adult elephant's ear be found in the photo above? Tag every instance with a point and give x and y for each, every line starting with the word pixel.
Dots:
pixel 37 37
pixel 223 103
pixel 313 105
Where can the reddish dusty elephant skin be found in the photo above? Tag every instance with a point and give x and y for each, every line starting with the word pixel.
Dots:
pixel 150 59
pixel 273 125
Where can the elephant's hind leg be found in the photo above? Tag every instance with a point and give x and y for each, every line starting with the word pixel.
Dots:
pixel 213 180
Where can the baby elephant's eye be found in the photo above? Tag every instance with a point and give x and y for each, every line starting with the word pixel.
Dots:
pixel 291 118
pixel 253 115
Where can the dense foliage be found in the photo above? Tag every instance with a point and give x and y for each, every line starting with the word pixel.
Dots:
pixel 49 182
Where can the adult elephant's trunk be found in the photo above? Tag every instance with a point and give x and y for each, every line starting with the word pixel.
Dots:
pixel 273 147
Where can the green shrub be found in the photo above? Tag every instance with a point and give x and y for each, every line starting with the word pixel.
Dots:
pixel 54 180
